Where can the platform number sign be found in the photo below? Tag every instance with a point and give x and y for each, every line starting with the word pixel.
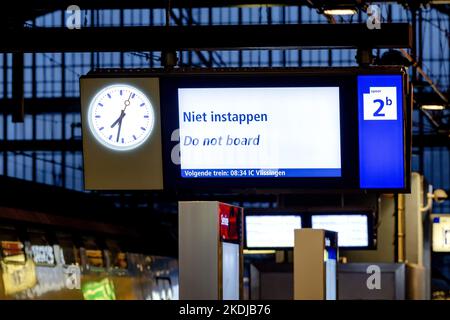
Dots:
pixel 382 153
pixel 380 103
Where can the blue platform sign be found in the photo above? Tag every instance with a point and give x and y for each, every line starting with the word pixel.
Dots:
pixel 381 132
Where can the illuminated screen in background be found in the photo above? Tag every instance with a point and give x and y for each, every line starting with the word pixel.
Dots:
pixel 276 231
pixel 260 132
pixel 352 229
pixel 441 234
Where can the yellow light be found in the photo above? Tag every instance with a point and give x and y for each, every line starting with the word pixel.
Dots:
pixel 259 251
pixel 339 12
pixel 433 107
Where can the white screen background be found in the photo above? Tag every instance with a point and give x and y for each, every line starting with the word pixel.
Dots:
pixel 268 231
pixel 302 131
pixel 352 229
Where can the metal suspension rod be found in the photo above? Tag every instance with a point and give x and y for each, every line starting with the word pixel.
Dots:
pixel 424 75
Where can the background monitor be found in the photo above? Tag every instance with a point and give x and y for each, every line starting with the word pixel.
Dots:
pixel 352 229
pixel 271 230
pixel 441 233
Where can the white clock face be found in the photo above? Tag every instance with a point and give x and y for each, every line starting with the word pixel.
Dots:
pixel 121 117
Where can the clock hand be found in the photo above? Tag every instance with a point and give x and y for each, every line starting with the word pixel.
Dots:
pixel 122 113
pixel 120 127
pixel 127 102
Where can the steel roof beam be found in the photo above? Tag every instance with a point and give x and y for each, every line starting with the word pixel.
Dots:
pixel 155 4
pixel 229 37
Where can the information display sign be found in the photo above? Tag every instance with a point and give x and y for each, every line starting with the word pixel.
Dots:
pixel 333 128
pixel 320 128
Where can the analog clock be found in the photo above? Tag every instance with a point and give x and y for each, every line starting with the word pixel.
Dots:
pixel 121 117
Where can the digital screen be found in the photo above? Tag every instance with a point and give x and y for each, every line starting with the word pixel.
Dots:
pixel 271 231
pixel 352 229
pixel 381 131
pixel 270 132
pixel 441 234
